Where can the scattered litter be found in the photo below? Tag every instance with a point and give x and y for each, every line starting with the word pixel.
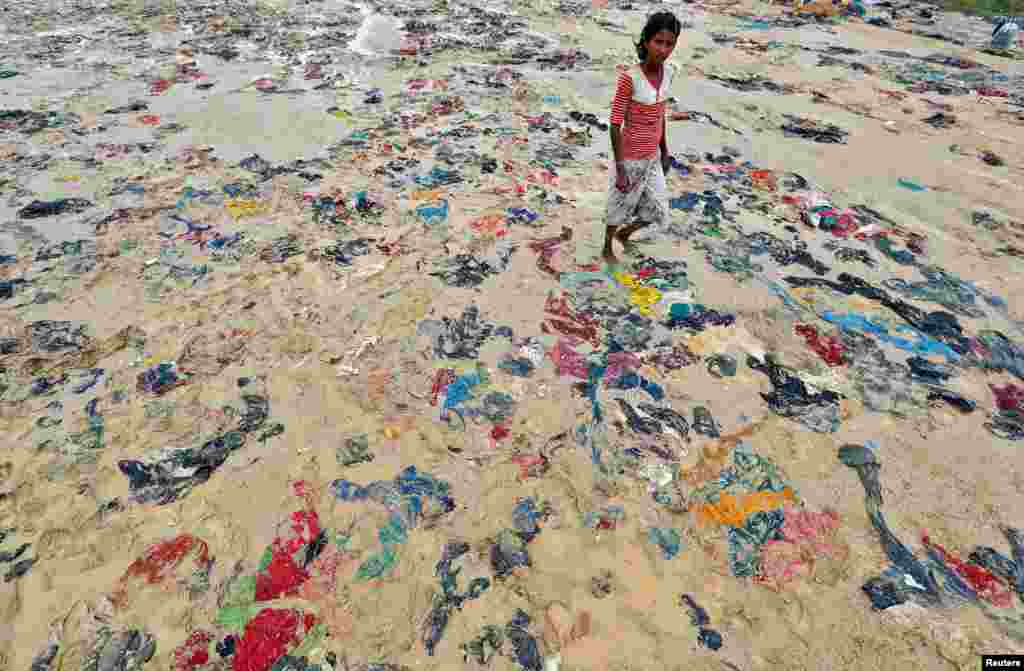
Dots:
pixel 373 281
pixel 707 637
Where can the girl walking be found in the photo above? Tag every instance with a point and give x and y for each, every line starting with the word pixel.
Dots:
pixel 638 194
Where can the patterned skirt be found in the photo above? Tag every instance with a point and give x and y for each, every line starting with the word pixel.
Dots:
pixel 647 199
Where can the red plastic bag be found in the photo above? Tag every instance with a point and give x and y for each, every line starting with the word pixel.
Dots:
pixel 268 636
pixel 194 652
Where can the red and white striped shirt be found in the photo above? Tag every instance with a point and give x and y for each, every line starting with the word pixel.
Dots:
pixel 640 109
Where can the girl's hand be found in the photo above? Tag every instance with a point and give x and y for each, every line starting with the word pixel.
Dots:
pixel 622 179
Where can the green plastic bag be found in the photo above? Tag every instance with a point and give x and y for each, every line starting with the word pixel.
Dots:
pixel 393 533
pixel 312 640
pixel 378 565
pixel 234 618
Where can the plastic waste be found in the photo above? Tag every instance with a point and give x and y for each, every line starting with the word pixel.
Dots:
pixel 722 365
pixel 667 540
pixel 706 636
pixel 449 600
pixel 910 184
pixel 1004 36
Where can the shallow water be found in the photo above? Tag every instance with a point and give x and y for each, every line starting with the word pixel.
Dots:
pixel 338 344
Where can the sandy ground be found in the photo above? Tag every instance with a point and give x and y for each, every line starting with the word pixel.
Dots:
pixel 337 352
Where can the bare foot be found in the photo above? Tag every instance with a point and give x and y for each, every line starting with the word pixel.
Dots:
pixel 629 248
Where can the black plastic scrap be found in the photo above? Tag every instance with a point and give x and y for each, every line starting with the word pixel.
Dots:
pixel 784 253
pixel 127 650
pixel 704 422
pixel 669 417
pixel 602 585
pixel 30 121
pixel 953 399
pixel 1001 354
pixel 461 338
pixel 57 336
pixel 315 548
pixel 38 209
pixel 467 271
pixel 449 599
pixel 638 423
pixel 992 159
pixel 932 375
pixel 344 252
pixel 137 106
pixel 1007 424
pixel 789 396
pixel 699 319
pixel 19 566
pixel 887 590
pixel 928 372
pixel 8 288
pixel 355 450
pixel 260 166
pixel 940 120
pixel 852 254
pixel 176 472
pixel 588 118
pixel 45 658
pixel 509 549
pixel 172 477
pixel 1010 569
pixel 483 648
pixel 281 249
pixel 941 325
pixel 524 645
pixel 706 636
pixel 291 663
pixel 893 587
pixel 752 83
pixel 813 130
pixel 670 358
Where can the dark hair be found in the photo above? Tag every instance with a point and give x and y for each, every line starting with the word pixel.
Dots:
pixel 656 23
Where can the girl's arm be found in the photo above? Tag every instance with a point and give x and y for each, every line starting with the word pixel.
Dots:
pixel 663 143
pixel 623 94
pixel 621 179
pixel 666 160
pixel 616 133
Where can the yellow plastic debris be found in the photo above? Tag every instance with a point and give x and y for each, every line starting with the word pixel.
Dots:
pixel 240 207
pixel 626 280
pixel 645 298
pixel 642 297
